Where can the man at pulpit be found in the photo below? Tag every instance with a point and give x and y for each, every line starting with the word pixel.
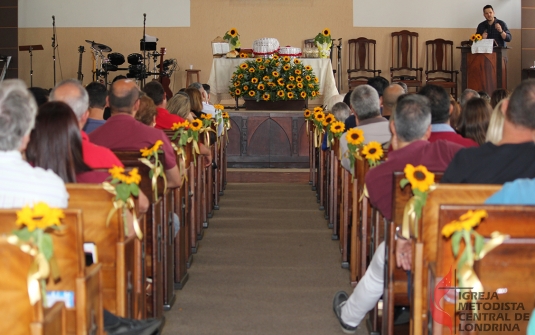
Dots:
pixel 493 28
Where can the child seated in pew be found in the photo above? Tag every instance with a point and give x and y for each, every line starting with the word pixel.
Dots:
pixel 32 184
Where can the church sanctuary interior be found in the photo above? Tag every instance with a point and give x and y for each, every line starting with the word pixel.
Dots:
pixel 267 167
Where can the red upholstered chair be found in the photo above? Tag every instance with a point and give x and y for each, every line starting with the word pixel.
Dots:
pixel 361 61
pixel 439 65
pixel 405 59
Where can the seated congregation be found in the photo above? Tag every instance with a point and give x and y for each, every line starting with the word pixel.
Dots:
pixel 411 185
pixel 100 219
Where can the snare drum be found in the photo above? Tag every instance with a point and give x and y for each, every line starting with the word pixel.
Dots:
pixel 137 71
pixel 134 59
pixel 116 58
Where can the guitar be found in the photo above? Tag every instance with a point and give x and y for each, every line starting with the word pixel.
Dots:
pixel 80 74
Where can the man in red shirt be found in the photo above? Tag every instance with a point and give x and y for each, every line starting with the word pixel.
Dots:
pixel 164 119
pixel 441 109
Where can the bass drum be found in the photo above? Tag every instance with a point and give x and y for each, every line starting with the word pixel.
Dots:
pixel 134 59
pixel 137 72
pixel 116 58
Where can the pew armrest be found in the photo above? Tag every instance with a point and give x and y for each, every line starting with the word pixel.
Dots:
pixel 89 301
pixel 54 321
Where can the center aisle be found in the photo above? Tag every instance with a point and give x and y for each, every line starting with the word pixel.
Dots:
pixel 266 265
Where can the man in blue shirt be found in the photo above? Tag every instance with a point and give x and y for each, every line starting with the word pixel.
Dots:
pixel 493 28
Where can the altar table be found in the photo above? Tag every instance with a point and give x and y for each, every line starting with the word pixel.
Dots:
pixel 223 68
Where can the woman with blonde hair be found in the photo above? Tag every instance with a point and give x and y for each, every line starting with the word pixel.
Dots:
pixel 195 100
pixel 495 130
pixel 179 105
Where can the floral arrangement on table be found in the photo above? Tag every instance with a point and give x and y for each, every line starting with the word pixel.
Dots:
pixel 124 187
pixel 355 142
pixel 463 229
pixel 233 38
pixel 156 166
pixel 34 238
pixel 422 181
pixel 274 79
pixel 324 42
pixel 476 38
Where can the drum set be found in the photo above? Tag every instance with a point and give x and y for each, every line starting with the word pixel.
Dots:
pixel 137 67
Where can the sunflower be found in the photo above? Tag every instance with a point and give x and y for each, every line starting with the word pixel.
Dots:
pixel 286 67
pixel 286 58
pixel 262 67
pixel 180 125
pixel 277 64
pixel 243 66
pixel 252 69
pixel 318 109
pixel 316 80
pixel 243 55
pixel 313 93
pixel 298 79
pixel 337 127
pixel 233 32
pixel 419 177
pixel 473 37
pixel 225 115
pixel 467 221
pixel 303 94
pixel 280 81
pixel 261 87
pixel 297 71
pixel 271 84
pixel 275 74
pixel 311 85
pixel 206 116
pixel 275 57
pixel 328 119
pixel 245 88
pixel 280 93
pixel 355 136
pixel 258 60
pixel 41 216
pixel 300 85
pixel 290 86
pixel 265 78
pixel 308 78
pixel 478 37
pixel 254 80
pixel 252 93
pixel 307 113
pixel 319 116
pixel 237 92
pixel 308 67
pixel 266 96
pixel 237 83
pixel 326 32
pixel 297 61
pixel 196 125
pixel 290 95
pixel 240 76
pixel 291 78
pixel 373 151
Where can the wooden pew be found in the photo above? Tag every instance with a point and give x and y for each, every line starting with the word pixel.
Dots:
pixel 18 315
pixel 345 215
pixel 86 315
pixel 426 244
pixel 123 280
pixel 312 155
pixel 509 269
pixel 334 172
pixel 157 228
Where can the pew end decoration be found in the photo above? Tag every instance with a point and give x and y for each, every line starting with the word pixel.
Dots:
pixel 373 152
pixel 422 181
pixel 124 187
pixel 274 79
pixel 355 140
pixel 34 238
pixel 189 133
pixel 324 43
pixel 150 158
pixel 317 117
pixel 463 229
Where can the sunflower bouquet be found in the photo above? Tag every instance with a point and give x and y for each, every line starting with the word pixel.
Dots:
pixel 124 186
pixel 233 38
pixel 422 181
pixel 463 229
pixel 373 152
pixel 34 237
pixel 336 130
pixel 189 133
pixel 476 38
pixel 355 141
pixel 324 42
pixel 156 166
pixel 318 119
pixel 274 79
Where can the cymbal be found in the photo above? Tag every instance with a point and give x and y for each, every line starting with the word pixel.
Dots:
pixel 98 46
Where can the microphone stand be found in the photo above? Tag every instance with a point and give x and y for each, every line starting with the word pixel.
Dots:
pixel 144 53
pixel 54 46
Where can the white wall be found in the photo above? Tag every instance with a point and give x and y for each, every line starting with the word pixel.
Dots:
pixel 432 13
pixel 104 13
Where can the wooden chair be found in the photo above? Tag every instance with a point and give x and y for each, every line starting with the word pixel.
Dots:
pixel 123 284
pixel 86 315
pixel 510 265
pixel 18 315
pixel 405 59
pixel 361 61
pixel 439 65
pixel 426 244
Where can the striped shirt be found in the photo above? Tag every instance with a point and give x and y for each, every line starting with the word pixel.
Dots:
pixel 21 184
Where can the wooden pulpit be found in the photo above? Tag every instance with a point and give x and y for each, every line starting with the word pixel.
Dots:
pixel 484 72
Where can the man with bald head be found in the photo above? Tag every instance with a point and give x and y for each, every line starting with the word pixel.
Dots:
pixel 72 93
pixel 123 132
pixel 390 96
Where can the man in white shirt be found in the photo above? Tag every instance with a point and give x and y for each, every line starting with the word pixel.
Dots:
pixel 20 183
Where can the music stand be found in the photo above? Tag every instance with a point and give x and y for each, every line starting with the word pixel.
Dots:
pixel 31 48
pixel 6 60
